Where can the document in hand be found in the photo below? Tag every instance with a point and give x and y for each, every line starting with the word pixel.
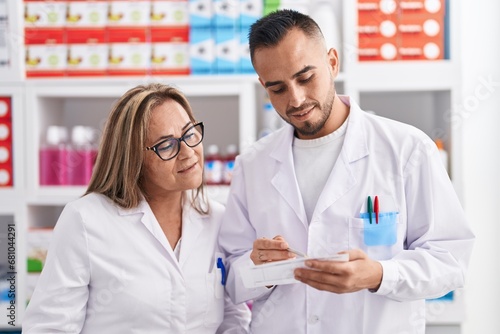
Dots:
pixel 279 272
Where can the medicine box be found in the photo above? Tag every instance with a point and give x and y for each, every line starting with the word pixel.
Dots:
pixel 169 13
pixel 87 14
pixel 226 13
pixel 202 51
pixel 169 51
pixel 227 50
pixel 200 13
pixel 250 11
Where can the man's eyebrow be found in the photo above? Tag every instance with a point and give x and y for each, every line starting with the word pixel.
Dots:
pixel 299 73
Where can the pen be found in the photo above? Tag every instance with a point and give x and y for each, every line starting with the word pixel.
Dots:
pixel 369 208
pixel 299 253
pixel 222 268
pixel 376 209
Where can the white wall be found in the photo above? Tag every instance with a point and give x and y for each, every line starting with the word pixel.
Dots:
pixel 481 160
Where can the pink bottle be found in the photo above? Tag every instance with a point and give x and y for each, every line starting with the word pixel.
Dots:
pixel 81 155
pixel 53 156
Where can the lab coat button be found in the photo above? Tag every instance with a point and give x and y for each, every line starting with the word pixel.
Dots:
pixel 313 319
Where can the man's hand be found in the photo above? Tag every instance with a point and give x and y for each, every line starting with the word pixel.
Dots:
pixel 359 273
pixel 268 250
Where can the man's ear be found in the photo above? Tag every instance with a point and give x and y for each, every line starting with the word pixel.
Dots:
pixel 334 62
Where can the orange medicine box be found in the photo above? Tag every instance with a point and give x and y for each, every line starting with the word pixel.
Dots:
pixel 6 176
pixel 44 14
pixel 422 37
pixel 129 13
pixel 86 13
pixel 87 52
pixel 46 52
pixel 169 51
pixel 129 51
pixel 5 107
pixel 425 7
pixel 5 130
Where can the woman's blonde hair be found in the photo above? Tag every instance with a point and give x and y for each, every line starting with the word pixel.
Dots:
pixel 118 169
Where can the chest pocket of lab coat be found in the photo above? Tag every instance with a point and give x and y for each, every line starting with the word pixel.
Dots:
pixel 379 241
pixel 215 290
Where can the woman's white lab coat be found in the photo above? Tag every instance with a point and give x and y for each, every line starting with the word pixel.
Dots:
pixel 424 251
pixel 112 270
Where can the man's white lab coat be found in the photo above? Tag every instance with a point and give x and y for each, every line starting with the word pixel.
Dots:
pixel 424 250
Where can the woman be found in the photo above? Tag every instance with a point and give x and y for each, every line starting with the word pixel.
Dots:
pixel 138 252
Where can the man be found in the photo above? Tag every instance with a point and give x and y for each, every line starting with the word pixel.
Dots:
pixel 306 186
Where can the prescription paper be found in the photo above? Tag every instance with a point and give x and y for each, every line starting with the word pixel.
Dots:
pixel 280 272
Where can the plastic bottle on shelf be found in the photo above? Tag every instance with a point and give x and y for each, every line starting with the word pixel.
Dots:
pixel 213 166
pixel 53 157
pixel 442 153
pixel 230 156
pixel 81 155
pixel 323 13
pixel 271 121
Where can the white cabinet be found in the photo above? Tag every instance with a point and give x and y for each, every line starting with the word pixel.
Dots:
pixel 423 93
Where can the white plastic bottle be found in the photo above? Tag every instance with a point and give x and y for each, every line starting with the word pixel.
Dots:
pixel 229 158
pixel 323 13
pixel 213 166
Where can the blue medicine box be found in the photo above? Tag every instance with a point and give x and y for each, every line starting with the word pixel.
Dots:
pixel 202 51
pixel 226 13
pixel 250 11
pixel 227 46
pixel 200 13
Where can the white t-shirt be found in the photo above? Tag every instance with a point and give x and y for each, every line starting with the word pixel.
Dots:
pixel 313 160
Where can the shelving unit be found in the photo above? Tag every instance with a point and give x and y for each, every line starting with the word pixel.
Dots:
pixel 421 93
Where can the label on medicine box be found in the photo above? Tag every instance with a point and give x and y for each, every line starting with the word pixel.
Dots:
pixel 41 14
pixel 129 13
pixel 5 130
pixel 250 11
pixel 6 176
pixel 87 14
pixel 419 49
pixel 202 51
pixel 87 52
pixel 6 153
pixel 169 13
pixel 88 58
pixel 377 49
pixel 129 58
pixel 5 107
pixel 426 7
pixel 421 26
pixel 227 50
pixel 46 59
pixel 200 13
pixel 226 13
pixel 169 51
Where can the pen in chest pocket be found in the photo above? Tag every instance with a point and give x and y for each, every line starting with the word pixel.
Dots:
pixel 373 208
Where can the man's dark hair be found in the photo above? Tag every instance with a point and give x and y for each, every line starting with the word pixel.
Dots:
pixel 271 29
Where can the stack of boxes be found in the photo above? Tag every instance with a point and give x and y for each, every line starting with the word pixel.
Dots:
pixel 6 161
pixel 137 37
pixel 219 35
pixel 401 30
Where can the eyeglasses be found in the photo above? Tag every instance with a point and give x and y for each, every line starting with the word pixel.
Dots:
pixel 169 148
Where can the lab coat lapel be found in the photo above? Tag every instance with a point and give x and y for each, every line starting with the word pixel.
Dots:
pixel 284 179
pixel 192 225
pixel 151 224
pixel 343 177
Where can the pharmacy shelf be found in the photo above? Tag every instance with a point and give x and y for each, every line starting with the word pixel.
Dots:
pixel 421 93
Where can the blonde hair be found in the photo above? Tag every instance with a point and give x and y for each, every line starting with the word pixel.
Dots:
pixel 118 169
